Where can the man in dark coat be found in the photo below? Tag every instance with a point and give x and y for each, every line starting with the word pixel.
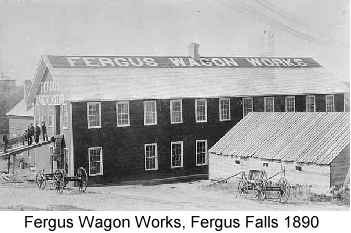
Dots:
pixel 30 134
pixel 6 142
pixel 44 132
pixel 37 134
pixel 25 137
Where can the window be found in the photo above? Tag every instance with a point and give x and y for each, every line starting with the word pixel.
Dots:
pixel 329 101
pixel 201 152
pixel 150 113
pixel 224 109
pixel 237 161
pixel 265 164
pixel 64 116
pixel 95 161
pixel 298 168
pixel 176 154
pixel 176 111
pixel 247 105
pixel 201 110
pixel 310 103
pixel 290 104
pixel 94 115
pixel 122 110
pixel 151 161
pixel 269 104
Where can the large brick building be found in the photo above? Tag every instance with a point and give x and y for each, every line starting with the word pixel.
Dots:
pixel 142 118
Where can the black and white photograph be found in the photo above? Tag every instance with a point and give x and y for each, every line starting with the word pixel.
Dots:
pixel 174 105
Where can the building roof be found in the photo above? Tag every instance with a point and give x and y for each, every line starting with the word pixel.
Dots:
pixel 21 110
pixel 302 137
pixel 121 83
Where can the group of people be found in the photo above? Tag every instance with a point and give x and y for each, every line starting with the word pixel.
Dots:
pixel 35 132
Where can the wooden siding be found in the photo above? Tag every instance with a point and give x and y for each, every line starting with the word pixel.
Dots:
pixel 123 147
pixel 339 103
pixel 17 125
pixel 320 103
pixel 339 167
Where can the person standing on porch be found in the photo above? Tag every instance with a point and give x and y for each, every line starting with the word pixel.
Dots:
pixel 44 131
pixel 30 134
pixel 37 134
pixel 6 142
pixel 25 137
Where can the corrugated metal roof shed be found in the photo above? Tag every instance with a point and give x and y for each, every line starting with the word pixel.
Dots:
pixel 299 137
pixel 80 84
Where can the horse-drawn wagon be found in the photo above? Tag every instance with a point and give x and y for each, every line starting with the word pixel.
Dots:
pixel 258 182
pixel 58 177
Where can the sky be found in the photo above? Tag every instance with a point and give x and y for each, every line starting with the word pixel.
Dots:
pixel 309 28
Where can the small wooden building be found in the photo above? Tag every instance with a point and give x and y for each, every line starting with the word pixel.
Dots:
pixel 20 117
pixel 314 148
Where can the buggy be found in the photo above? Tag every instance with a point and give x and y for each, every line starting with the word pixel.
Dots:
pixel 257 181
pixel 58 177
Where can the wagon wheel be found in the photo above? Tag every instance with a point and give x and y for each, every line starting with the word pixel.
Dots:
pixel 242 187
pixel 40 180
pixel 82 179
pixel 260 189
pixel 59 180
pixel 284 192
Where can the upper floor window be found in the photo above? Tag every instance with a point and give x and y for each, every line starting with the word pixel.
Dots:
pixel 122 109
pixel 247 105
pixel 176 111
pixel 269 104
pixel 201 152
pixel 329 101
pixel 224 109
pixel 310 103
pixel 151 160
pixel 94 114
pixel 95 161
pixel 176 154
pixel 201 110
pixel 290 104
pixel 150 113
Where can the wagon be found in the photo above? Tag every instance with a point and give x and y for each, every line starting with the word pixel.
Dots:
pixel 58 177
pixel 258 182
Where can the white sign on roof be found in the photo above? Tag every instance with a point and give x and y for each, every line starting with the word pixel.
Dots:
pixel 179 62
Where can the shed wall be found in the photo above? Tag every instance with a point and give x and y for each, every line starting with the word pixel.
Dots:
pixel 221 167
pixel 339 167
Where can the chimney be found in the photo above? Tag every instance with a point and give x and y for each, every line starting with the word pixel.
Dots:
pixel 268 43
pixel 194 50
pixel 27 86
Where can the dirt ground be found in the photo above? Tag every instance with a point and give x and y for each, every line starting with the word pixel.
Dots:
pixel 197 195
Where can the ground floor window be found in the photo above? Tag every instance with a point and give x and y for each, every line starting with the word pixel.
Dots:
pixel 269 104
pixel 329 100
pixel 151 162
pixel 176 154
pixel 290 103
pixel 201 152
pixel 310 103
pixel 95 161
